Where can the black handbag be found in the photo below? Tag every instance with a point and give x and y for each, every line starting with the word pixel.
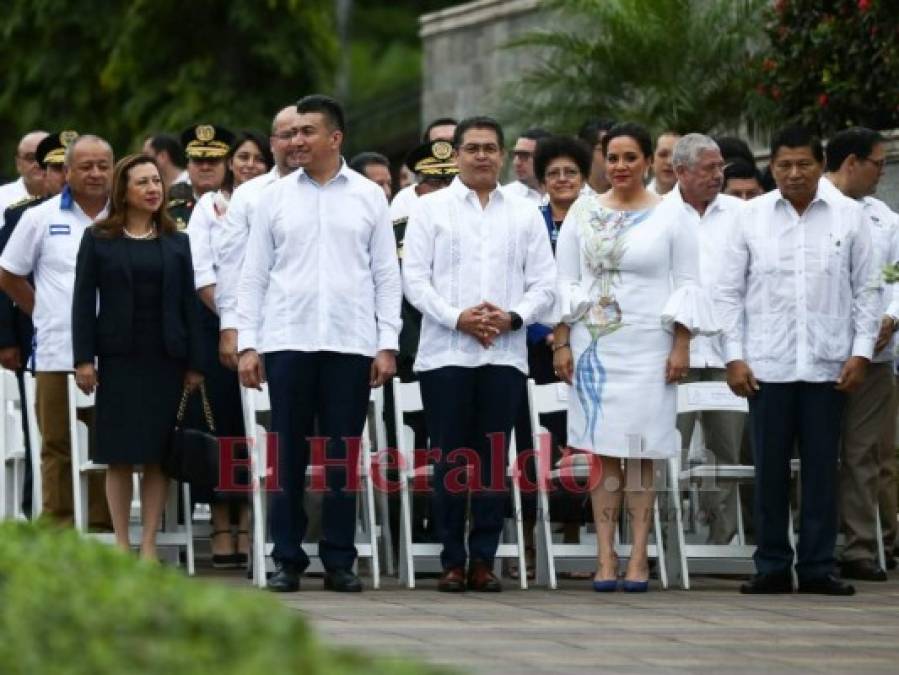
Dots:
pixel 193 455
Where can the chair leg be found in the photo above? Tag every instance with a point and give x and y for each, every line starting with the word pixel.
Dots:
pixel 259 578
pixel 188 528
pixel 407 566
pixel 386 530
pixel 660 546
pixel 791 537
pixel 674 481
pixel 519 533
pixel 546 569
pixel 371 526
pixel 878 531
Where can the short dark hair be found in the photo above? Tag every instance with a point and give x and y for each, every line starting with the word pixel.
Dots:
pixel 329 107
pixel 439 122
pixel 534 134
pixel 741 169
pixel 858 141
pixel 794 136
pixel 636 131
pixel 361 161
pixel 733 148
pixel 553 147
pixel 169 144
pixel 592 128
pixel 478 122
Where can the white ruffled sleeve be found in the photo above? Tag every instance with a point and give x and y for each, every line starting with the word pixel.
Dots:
pixel 689 304
pixel 572 300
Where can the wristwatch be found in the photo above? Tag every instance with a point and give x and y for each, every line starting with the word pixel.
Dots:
pixel 516 321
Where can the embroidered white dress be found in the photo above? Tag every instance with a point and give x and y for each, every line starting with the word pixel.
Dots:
pixel 625 278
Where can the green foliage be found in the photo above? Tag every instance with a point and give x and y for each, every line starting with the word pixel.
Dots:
pixel 75 607
pixel 669 64
pixel 122 69
pixel 832 64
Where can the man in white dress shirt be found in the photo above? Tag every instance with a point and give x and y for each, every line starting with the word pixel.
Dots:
pixel 800 307
pixel 45 243
pixel 231 235
pixel 700 173
pixel 31 176
pixel 478 265
pixel 855 160
pixel 319 298
pixel 526 184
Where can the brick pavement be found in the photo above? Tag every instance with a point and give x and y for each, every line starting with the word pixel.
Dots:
pixel 711 628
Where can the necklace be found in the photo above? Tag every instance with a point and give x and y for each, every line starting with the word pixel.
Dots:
pixel 149 234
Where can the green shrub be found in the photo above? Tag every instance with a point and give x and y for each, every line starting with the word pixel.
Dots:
pixel 71 606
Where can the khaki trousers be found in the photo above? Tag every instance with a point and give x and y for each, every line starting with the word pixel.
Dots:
pixel 723 435
pixel 867 440
pixel 52 414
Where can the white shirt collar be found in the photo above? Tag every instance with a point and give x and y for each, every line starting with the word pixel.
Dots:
pixel 463 192
pixel 343 173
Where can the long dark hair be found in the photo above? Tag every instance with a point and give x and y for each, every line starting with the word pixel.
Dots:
pixel 112 226
pixel 260 142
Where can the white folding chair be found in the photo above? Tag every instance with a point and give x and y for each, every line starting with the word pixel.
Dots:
pixel 82 466
pixel 253 402
pixel 553 398
pixel 407 399
pixel 12 447
pixel 377 437
pixel 703 397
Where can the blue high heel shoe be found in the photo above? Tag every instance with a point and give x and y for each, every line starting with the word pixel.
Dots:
pixel 629 586
pixel 605 585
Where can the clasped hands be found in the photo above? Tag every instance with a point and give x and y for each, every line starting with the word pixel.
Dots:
pixel 484 322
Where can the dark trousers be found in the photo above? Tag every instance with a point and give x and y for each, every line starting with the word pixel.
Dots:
pixel 463 406
pixel 334 389
pixel 27 479
pixel 782 416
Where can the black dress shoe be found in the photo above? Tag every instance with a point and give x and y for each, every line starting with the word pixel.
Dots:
pixel 891 563
pixel 768 584
pixel 828 585
pixel 286 578
pixel 342 581
pixel 863 570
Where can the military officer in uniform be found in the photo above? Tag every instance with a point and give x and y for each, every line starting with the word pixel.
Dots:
pixel 16 329
pixel 205 146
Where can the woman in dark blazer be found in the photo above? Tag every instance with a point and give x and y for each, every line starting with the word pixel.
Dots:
pixel 144 333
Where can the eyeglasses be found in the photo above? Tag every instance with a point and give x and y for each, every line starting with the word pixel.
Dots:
pixel 477 148
pixel 879 163
pixel 522 154
pixel 556 174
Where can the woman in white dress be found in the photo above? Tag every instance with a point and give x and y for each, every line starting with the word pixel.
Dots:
pixel 628 286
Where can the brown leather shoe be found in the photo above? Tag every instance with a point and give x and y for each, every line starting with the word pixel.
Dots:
pixel 452 580
pixel 481 578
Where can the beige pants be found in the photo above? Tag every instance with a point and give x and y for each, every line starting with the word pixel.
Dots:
pixel 52 414
pixel 867 441
pixel 723 434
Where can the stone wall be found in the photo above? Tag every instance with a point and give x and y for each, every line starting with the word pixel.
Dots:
pixel 465 67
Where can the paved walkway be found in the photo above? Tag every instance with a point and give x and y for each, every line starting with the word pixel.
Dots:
pixel 573 630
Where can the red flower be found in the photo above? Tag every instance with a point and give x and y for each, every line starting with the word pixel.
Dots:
pixel 823 100
pixel 769 64
pixel 864 5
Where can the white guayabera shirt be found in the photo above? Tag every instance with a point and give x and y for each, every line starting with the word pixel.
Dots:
pixel 320 272
pixel 799 294
pixel 457 254
pixel 713 230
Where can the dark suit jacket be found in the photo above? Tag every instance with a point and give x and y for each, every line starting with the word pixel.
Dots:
pixel 103 265
pixel 16 329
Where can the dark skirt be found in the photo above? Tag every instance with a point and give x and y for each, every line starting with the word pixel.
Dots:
pixel 137 400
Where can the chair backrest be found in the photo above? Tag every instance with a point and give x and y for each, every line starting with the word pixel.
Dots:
pixel 406 398
pixel 254 401
pixel 377 400
pixel 543 399
pixel 708 396
pixel 78 432
pixel 10 407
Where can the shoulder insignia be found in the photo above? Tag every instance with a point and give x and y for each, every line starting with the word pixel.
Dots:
pixel 23 202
